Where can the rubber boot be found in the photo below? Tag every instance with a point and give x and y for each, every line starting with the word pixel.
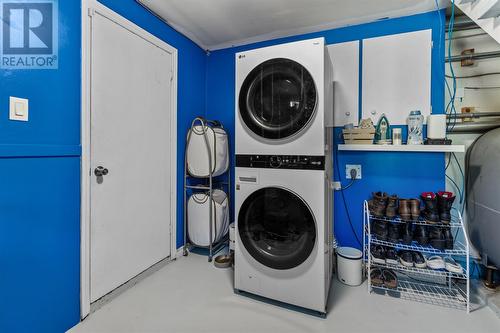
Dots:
pixel 431 213
pixel 445 202
pixel 407 234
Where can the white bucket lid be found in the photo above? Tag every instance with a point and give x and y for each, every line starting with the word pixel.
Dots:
pixel 349 253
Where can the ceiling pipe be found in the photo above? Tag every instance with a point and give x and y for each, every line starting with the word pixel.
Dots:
pixel 473 127
pixel 473 115
pixel 474 56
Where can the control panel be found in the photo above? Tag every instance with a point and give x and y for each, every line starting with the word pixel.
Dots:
pixel 281 162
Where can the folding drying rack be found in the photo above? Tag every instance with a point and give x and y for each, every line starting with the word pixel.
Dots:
pixel 209 184
pixel 438 287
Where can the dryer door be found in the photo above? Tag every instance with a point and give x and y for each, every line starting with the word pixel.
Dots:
pixel 277 228
pixel 277 99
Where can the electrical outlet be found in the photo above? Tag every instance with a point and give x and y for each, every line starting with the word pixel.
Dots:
pixel 350 167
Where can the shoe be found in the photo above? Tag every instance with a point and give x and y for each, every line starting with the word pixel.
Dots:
pixel 404 209
pixel 378 254
pixel 445 202
pixel 391 257
pixel 406 258
pixel 448 238
pixel 394 233
pixel 420 234
pixel 376 277
pixel 452 266
pixel 437 239
pixel 392 206
pixel 390 279
pixel 380 229
pixel 407 233
pixel 419 260
pixel 435 262
pixel 415 209
pixel 378 204
pixel 431 212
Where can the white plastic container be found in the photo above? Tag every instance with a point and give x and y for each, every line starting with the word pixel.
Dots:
pixel 198 218
pixel 198 161
pixel 349 266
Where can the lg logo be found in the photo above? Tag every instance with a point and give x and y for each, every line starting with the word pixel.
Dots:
pixel 29 34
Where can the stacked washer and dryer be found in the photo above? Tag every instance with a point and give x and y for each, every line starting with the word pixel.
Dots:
pixel 283 198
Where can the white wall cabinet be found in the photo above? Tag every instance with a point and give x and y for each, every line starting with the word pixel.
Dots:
pixel 397 76
pixel 345 59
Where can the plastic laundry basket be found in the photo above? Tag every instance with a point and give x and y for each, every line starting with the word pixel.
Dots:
pixel 350 266
pixel 198 162
pixel 198 214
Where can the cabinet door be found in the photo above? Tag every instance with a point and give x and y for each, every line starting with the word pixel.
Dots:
pixel 397 76
pixel 345 59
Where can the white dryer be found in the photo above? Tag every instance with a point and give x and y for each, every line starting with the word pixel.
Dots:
pixel 283 248
pixel 284 99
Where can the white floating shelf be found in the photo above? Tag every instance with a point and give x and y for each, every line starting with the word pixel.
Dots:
pixel 406 148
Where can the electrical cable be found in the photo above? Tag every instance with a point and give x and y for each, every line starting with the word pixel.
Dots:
pixel 344 200
pixel 450 108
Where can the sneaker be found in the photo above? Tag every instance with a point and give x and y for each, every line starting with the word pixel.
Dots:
pixel 378 254
pixel 391 257
pixel 418 260
pixel 435 262
pixel 452 266
pixel 406 258
pixel 390 279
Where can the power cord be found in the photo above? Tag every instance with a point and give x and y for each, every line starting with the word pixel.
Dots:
pixel 343 196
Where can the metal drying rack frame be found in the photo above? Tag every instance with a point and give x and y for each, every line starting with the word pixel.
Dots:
pixel 208 186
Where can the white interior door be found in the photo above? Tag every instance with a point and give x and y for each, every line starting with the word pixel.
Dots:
pixel 132 111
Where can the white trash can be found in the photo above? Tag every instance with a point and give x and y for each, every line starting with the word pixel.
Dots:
pixel 350 266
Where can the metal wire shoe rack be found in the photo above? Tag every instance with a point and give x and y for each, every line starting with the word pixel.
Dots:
pixel 208 185
pixel 438 287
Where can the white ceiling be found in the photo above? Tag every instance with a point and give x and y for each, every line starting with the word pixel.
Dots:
pixel 216 24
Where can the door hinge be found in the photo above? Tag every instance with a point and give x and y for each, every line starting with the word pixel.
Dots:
pixel 171 76
pixel 91 12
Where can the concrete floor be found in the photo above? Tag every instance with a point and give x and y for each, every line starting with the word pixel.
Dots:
pixel 190 295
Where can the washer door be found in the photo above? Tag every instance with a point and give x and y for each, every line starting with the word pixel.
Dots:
pixel 278 99
pixel 277 228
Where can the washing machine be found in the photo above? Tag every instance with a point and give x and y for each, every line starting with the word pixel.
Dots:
pixel 283 248
pixel 284 99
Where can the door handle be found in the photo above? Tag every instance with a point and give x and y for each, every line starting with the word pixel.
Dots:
pixel 100 171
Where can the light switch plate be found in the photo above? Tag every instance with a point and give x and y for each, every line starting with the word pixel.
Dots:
pixel 19 109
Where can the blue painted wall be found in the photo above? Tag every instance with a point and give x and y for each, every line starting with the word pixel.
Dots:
pixel 40 174
pixel 406 174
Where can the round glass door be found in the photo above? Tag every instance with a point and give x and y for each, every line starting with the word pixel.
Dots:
pixel 277 228
pixel 278 99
